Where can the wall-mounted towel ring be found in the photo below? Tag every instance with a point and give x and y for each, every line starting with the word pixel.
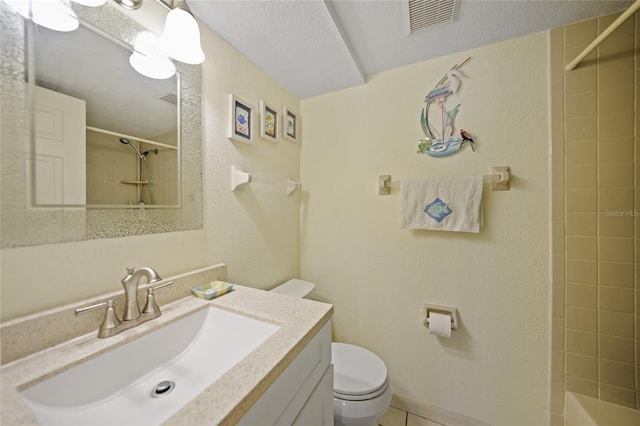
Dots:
pixel 239 177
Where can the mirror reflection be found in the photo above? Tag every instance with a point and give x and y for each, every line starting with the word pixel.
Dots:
pixel 99 186
pixel 105 135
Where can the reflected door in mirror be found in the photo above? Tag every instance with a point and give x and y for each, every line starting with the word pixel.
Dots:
pixel 58 164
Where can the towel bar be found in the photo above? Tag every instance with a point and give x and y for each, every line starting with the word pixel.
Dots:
pixel 499 179
pixel 239 177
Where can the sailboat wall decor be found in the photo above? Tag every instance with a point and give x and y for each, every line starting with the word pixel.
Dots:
pixel 443 143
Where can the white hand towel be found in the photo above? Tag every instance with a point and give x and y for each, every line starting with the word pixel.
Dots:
pixel 443 204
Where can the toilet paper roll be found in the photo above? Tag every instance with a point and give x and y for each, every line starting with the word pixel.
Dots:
pixel 440 324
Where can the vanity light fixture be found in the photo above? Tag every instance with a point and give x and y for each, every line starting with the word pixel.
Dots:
pixel 52 14
pixel 180 39
pixel 129 4
pixel 181 36
pixel 90 3
pixel 148 57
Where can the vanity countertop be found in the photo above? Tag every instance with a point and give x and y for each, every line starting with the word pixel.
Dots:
pixel 228 398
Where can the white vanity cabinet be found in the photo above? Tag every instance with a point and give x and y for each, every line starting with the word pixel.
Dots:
pixel 303 394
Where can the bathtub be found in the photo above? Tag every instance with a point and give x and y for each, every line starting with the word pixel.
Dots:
pixel 582 410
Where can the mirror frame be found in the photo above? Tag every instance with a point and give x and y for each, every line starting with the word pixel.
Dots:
pixel 22 225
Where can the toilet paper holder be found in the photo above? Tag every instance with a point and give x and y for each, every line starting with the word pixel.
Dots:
pixel 445 310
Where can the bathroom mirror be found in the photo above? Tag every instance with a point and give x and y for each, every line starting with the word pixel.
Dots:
pixel 119 129
pixel 34 214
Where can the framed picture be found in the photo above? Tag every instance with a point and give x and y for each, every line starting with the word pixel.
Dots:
pixel 269 121
pixel 290 124
pixel 240 120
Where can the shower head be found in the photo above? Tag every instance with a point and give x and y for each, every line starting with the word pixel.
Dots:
pixel 155 151
pixel 128 142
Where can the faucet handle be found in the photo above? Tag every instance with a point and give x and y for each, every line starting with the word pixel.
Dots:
pixel 151 307
pixel 110 320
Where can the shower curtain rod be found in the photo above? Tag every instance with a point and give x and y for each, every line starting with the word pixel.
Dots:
pixel 606 33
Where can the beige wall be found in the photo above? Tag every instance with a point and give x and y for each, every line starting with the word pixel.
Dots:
pixel 108 163
pixel 596 327
pixel 164 168
pixel 255 230
pixel 495 368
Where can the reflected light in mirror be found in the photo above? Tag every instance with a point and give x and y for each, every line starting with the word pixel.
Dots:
pixel 55 15
pixel 90 3
pixel 181 37
pixel 148 59
pixel 52 14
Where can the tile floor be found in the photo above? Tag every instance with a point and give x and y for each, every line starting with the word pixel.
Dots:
pixel 397 417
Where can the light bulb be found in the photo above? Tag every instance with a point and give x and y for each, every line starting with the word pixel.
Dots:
pixel 20 6
pixel 152 66
pixel 148 44
pixel 181 37
pixel 148 58
pixel 54 14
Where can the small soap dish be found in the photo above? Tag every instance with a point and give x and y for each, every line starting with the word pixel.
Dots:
pixel 212 290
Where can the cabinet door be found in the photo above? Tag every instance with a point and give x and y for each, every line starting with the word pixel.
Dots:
pixel 59 158
pixel 281 404
pixel 318 410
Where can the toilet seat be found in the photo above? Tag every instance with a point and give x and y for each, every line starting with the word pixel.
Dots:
pixel 359 374
pixel 364 397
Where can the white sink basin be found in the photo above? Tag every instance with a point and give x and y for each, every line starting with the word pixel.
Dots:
pixel 121 386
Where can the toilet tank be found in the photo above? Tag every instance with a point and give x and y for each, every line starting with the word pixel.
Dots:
pixel 295 288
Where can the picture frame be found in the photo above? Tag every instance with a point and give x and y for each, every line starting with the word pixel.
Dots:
pixel 240 120
pixel 269 122
pixel 290 124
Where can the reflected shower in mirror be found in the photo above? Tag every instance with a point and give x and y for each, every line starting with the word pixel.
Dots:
pixel 91 69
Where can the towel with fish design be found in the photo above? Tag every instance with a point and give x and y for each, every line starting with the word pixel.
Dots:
pixel 443 204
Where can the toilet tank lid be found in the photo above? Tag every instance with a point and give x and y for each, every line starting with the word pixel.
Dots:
pixel 295 288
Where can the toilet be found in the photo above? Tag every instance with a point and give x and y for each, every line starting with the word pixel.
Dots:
pixel 361 391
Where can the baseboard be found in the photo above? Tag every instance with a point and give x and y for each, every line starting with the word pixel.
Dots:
pixel 435 414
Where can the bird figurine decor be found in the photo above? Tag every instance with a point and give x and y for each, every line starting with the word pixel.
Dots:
pixel 443 143
pixel 466 137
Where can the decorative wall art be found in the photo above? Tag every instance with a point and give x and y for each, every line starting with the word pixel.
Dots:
pixel 269 121
pixel 290 124
pixel 443 143
pixel 240 120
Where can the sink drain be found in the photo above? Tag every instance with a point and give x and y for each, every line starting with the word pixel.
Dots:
pixel 163 388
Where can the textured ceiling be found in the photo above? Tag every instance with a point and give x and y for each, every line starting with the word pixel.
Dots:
pixel 72 62
pixel 312 47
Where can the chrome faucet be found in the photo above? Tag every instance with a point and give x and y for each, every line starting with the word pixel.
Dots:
pixel 132 316
pixel 130 284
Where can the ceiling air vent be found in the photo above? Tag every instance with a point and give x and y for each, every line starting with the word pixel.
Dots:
pixel 423 14
pixel 170 97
